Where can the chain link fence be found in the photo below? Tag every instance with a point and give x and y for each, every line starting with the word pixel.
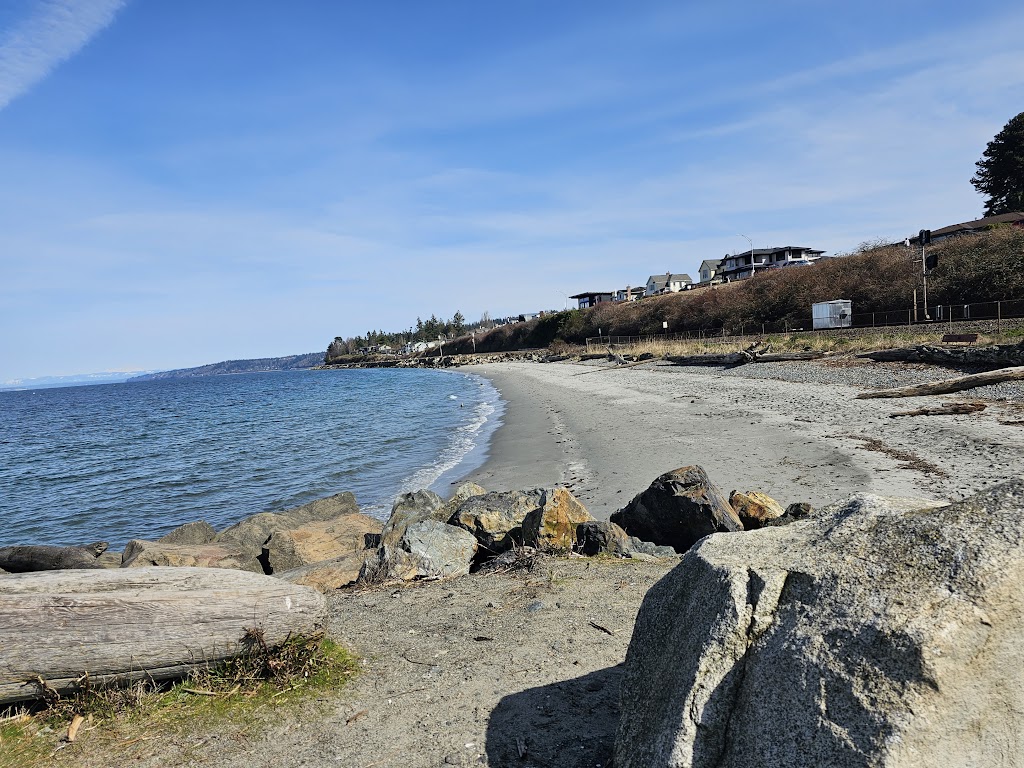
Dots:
pixel 991 313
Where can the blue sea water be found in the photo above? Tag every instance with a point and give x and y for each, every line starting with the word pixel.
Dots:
pixel 120 461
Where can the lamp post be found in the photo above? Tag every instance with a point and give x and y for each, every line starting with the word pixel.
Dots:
pixel 751 252
pixel 562 293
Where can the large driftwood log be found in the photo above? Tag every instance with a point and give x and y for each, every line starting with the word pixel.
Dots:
pixel 949 409
pixel 741 358
pixel 22 559
pixel 119 625
pixel 950 385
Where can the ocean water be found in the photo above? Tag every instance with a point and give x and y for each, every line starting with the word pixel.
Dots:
pixel 120 461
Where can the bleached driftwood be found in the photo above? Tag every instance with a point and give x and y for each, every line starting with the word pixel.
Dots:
pixel 950 385
pixel 750 355
pixel 948 409
pixel 119 625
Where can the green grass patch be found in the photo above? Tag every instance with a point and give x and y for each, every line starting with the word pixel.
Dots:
pixel 260 679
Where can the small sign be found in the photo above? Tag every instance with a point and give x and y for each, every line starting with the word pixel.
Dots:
pixel 664 324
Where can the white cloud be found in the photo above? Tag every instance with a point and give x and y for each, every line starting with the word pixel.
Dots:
pixel 53 33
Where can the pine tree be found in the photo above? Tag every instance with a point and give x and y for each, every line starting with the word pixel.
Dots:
pixel 458 324
pixel 1000 174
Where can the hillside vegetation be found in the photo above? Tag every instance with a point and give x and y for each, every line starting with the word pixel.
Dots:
pixel 972 268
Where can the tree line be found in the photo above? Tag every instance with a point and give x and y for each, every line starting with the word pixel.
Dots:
pixel 430 330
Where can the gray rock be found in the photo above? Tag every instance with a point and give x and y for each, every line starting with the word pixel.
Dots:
pixel 199 532
pixel 462 493
pixel 883 632
pixel 328 575
pixel 140 553
pixel 410 508
pixel 318 541
pixel 604 537
pixel 678 509
pixel 794 513
pixel 427 549
pixel 440 549
pixel 252 533
pixel 496 518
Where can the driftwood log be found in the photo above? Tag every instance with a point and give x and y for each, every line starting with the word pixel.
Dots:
pixel 742 358
pixel 950 385
pixel 949 409
pixel 22 559
pixel 118 625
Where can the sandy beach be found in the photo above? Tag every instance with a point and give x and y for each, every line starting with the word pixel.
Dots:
pixel 525 667
pixel 792 430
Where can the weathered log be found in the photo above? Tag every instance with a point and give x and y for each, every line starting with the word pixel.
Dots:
pixel 118 625
pixel 949 409
pixel 731 358
pixel 23 559
pixel 742 358
pixel 782 357
pixel 950 385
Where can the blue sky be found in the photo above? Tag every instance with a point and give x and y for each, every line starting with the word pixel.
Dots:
pixel 188 182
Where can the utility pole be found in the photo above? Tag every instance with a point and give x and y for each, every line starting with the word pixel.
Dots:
pixel 925 237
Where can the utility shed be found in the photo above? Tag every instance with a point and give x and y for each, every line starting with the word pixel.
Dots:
pixel 832 314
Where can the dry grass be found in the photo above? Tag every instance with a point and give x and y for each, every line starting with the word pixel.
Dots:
pixel 801 342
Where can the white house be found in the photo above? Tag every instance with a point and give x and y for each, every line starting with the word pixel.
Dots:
pixel 628 294
pixel 742 265
pixel 667 283
pixel 709 269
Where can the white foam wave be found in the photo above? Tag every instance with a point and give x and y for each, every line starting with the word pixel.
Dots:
pixel 462 441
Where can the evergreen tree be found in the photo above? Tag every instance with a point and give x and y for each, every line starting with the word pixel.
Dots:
pixel 458 324
pixel 1000 175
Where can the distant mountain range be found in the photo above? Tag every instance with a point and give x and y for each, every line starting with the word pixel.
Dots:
pixel 289 363
pixel 73 380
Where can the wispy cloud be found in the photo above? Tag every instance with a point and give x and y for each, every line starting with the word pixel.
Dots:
pixel 52 33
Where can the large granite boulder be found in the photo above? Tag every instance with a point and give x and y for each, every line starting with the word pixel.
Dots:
pixel 320 540
pixel 427 549
pixel 755 509
pixel 327 575
pixel 253 533
pixel 882 632
pixel 551 527
pixel 140 553
pixel 678 509
pixel 462 493
pixel 411 508
pixel 496 518
pixel 198 532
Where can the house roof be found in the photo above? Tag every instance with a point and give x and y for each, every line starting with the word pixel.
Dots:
pixel 713 263
pixel 988 221
pixel 682 277
pixel 776 249
pixel 588 294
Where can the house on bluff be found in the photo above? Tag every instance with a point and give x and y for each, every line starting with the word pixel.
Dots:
pixel 667 283
pixel 742 265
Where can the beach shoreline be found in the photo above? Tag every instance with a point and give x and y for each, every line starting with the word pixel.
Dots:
pixel 605 433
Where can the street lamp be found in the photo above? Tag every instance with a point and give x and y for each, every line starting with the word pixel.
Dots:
pixel 561 293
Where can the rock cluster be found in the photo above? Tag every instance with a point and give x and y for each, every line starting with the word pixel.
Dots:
pixel 329 544
pixel 880 632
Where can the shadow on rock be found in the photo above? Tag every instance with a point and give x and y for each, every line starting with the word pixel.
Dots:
pixel 570 724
